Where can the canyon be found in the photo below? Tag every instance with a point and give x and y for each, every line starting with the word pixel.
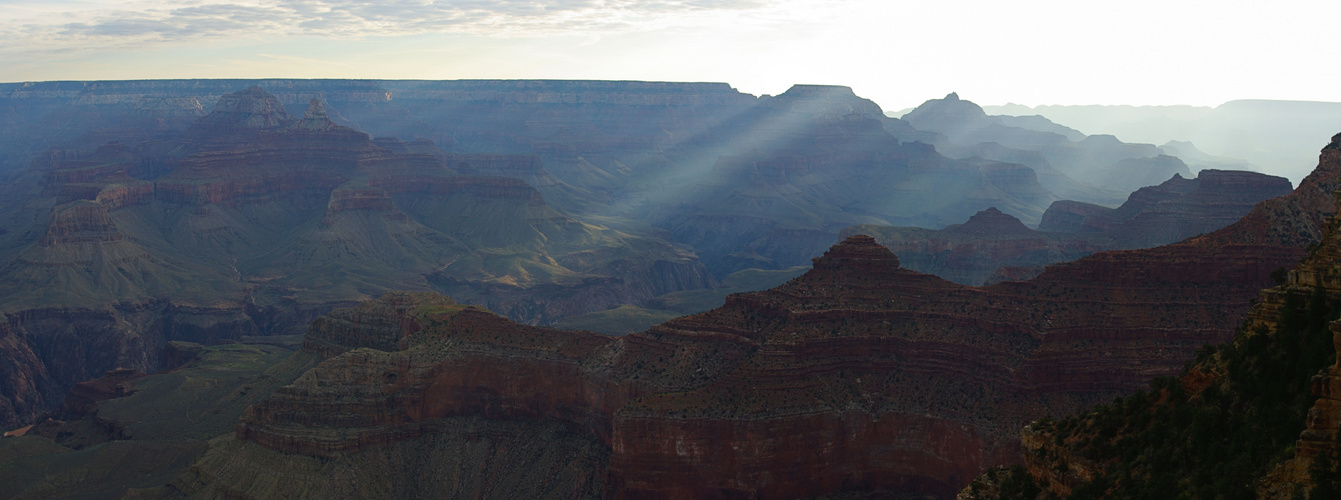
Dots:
pixel 143 212
pixel 1269 389
pixel 368 273
pixel 933 379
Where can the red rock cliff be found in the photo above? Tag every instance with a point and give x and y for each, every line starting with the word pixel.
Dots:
pixel 858 375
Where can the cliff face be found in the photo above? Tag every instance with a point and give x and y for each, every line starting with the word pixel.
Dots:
pixel 811 161
pixel 609 150
pixel 973 252
pixel 1175 209
pixel 256 221
pixel 886 380
pixel 1262 389
pixel 1323 423
pixel 866 365
pixel 1093 169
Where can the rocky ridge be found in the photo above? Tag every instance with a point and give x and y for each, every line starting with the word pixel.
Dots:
pixel 857 351
pixel 1256 388
pixel 973 252
pixel 256 221
pixel 1094 169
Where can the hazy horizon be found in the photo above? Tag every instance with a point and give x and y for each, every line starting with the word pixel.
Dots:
pixel 1034 53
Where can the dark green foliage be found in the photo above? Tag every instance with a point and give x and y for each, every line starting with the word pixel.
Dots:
pixel 1165 444
pixel 1326 475
pixel 1280 275
pixel 1019 485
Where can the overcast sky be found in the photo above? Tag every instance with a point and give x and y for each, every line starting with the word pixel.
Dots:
pixel 897 53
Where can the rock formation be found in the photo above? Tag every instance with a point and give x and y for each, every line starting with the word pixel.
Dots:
pixel 854 360
pixel 1317 272
pixel 973 252
pixel 1256 388
pixel 884 379
pixel 1092 169
pixel 535 199
pixel 810 171
pixel 255 221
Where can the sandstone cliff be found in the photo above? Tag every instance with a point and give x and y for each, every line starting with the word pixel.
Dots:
pixel 856 361
pixel 1221 427
pixel 885 380
pixel 971 253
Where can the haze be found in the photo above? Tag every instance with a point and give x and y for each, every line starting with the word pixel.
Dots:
pixel 896 53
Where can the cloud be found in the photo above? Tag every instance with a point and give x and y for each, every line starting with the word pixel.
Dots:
pixel 148 21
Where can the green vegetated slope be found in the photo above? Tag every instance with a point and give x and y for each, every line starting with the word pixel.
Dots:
pixel 1214 432
pixel 1179 440
pixel 627 318
pixel 146 439
pixel 443 463
pixel 1228 426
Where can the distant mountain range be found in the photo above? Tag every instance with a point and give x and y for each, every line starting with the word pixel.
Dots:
pixel 993 246
pixel 1273 135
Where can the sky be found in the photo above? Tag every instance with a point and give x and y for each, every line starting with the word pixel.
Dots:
pixel 897 53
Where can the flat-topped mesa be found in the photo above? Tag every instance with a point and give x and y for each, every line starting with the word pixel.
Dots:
pixel 827 100
pixel 373 201
pixel 359 198
pixel 1069 216
pixel 80 222
pixel 588 92
pixel 1238 181
pixel 379 324
pixel 1170 211
pixel 125 193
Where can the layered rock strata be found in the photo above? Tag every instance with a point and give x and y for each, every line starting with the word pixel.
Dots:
pixel 1113 450
pixel 859 375
pixel 972 253
pixel 256 221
